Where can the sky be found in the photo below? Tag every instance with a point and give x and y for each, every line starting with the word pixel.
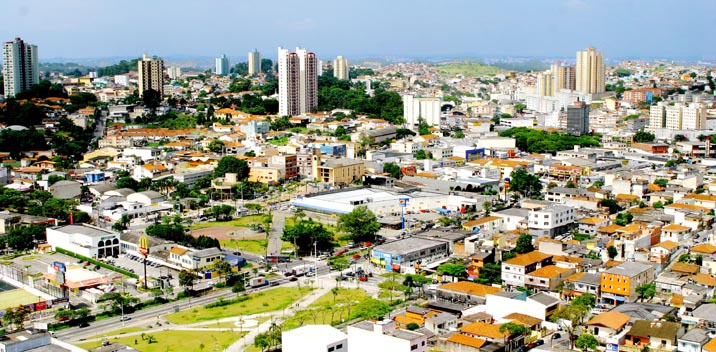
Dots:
pixel 366 28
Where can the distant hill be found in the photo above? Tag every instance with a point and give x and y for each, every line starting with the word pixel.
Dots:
pixel 468 69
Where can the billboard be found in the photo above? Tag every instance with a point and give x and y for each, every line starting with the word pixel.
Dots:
pixel 58 266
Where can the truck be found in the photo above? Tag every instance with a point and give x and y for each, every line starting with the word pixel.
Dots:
pixel 258 282
pixel 302 270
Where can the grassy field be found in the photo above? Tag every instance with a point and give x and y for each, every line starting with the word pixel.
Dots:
pixel 327 309
pixel 177 340
pixel 266 301
pixel 14 298
pixel 121 331
pixel 244 221
pixel 468 69
pixel 251 246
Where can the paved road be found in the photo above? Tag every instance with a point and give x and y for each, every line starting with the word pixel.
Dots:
pixel 274 240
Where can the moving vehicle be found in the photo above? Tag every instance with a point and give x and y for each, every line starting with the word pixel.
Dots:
pixel 277 258
pixel 302 270
pixel 258 282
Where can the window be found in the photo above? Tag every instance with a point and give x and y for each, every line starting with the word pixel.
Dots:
pixel 331 349
pixel 339 346
pixel 413 347
pixel 423 343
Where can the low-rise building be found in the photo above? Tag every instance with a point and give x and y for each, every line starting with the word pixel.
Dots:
pixel 384 336
pixel 551 221
pixel 619 283
pixel 314 338
pixel 609 327
pixel 514 271
pixel 87 240
pixel 659 335
pixel 403 255
pixel 465 292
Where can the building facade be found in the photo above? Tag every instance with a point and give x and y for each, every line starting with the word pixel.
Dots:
pixel 297 82
pixel 578 118
pixel 426 107
pixel 87 240
pixel 222 65
pixel 564 77
pixel 19 67
pixel 341 68
pixel 254 62
pixel 151 75
pixel 590 77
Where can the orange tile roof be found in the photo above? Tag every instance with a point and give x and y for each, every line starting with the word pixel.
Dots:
pixel 675 227
pixel 685 268
pixel 705 197
pixel 685 206
pixel 613 320
pixel 549 271
pixel 483 329
pixel 480 221
pixel 470 288
pixel 611 228
pixel 405 320
pixel 612 263
pixel 528 258
pixel 677 299
pixel 670 245
pixel 629 197
pixel 178 250
pixel 593 220
pixel 575 277
pixel 525 319
pixel 710 346
pixel 704 279
pixel 465 340
pixel 704 248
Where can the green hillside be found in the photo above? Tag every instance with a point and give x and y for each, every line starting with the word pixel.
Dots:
pixel 468 69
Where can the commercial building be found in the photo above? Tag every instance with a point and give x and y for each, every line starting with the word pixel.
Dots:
pixel 19 67
pixel 222 65
pixel 297 82
pixel 578 118
pixel 314 338
pixel 384 336
pixel 404 255
pixel 341 68
pixel 590 71
pixel 342 171
pixel 619 283
pixel 151 75
pixel 426 107
pixel 564 77
pixel 254 62
pixel 87 240
pixel 551 221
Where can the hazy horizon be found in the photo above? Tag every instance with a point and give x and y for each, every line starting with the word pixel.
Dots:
pixel 82 29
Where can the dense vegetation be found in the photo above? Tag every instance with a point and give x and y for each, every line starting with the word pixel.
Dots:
pixel 539 141
pixel 122 67
pixel 334 93
pixel 177 233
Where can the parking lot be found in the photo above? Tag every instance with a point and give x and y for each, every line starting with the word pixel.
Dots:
pixel 135 264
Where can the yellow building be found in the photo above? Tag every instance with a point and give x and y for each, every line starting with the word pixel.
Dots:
pixel 341 171
pixel 266 174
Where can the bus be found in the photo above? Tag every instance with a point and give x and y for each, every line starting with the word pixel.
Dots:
pixel 277 258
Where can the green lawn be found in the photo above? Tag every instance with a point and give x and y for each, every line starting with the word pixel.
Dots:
pixel 266 301
pixel 327 311
pixel 244 221
pixel 251 246
pixel 121 331
pixel 176 340
pixel 14 298
pixel 468 69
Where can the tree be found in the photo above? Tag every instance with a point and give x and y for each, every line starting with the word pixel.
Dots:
pixel 514 329
pixel 699 259
pixel 307 233
pixel 570 184
pixel 127 182
pixel 186 279
pixel 216 146
pixel 526 184
pixel 230 164
pixel 266 222
pixel 524 244
pixel 421 155
pixel 52 179
pixel 570 317
pixel 487 207
pixel 680 138
pixel 393 169
pixel 151 98
pixel 412 326
pixel 642 136
pixel 612 252
pixel 646 291
pixel 222 267
pixel 587 342
pixel 238 286
pixel 624 219
pixel 658 205
pixel 122 223
pixel 490 273
pixel 586 300
pixel 661 182
pixel 520 107
pixel 361 224
pixel 612 204
pixel 118 301
pixel 423 127
pixel 684 258
pixel 14 316
pixel 454 270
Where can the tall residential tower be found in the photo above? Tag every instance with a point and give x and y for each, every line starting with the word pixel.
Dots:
pixel 151 75
pixel 20 66
pixel 341 68
pixel 590 72
pixel 222 65
pixel 297 82
pixel 254 62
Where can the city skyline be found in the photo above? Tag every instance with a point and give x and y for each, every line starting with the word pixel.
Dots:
pixel 393 29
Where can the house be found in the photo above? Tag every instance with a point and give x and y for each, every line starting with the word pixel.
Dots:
pixel 194 259
pixel 314 338
pixel 539 305
pixel 619 283
pixel 551 221
pixel 461 343
pixel 515 269
pixel 146 197
pixel 465 292
pixel 580 283
pixel 693 340
pixel 441 323
pixel 485 224
pixel 663 251
pixel 590 226
pixel 609 327
pixel 547 278
pixel 675 233
pixel 485 331
pixel 661 335
pixel 384 336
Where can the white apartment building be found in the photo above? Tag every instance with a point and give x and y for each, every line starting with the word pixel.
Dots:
pixel 174 72
pixel 222 65
pixel 367 336
pixel 341 68
pixel 551 221
pixel 405 147
pixel 678 116
pixel 324 338
pixel 426 107
pixel 297 82
pixel 121 80
pixel 19 67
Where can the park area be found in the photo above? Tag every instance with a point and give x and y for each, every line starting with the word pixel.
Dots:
pixel 14 297
pixel 265 301
pixel 175 340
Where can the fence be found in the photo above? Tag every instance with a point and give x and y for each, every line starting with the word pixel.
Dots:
pixel 20 278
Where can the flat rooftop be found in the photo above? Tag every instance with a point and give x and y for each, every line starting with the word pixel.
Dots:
pixel 408 245
pixel 87 230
